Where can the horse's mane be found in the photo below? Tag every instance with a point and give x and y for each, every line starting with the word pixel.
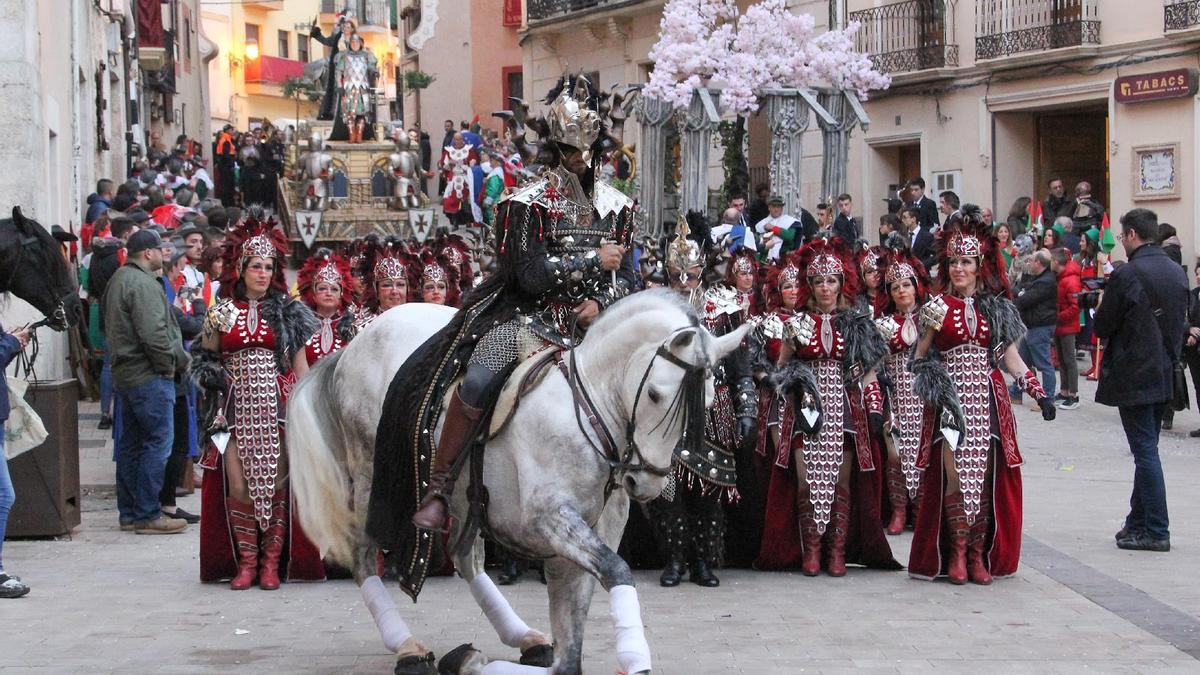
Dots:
pixel 655 306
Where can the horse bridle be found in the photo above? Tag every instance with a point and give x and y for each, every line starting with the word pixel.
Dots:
pixel 620 461
pixel 58 317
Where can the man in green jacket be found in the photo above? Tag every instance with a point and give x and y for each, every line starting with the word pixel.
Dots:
pixel 147 355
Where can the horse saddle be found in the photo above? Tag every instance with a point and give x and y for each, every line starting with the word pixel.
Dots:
pixel 523 379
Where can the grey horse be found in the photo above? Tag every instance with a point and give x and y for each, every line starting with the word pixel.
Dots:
pixel 548 485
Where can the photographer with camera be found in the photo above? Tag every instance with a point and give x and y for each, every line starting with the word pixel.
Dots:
pixel 1143 316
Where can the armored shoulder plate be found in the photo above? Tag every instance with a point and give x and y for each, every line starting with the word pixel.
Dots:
pixel 609 200
pixel 221 316
pixel 529 194
pixel 720 300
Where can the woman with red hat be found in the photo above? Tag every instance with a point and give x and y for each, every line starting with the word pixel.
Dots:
pixel 903 289
pixel 824 491
pixel 969 520
pixel 385 269
pixel 251 353
pixel 324 284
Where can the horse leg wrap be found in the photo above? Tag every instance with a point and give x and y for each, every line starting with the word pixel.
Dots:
pixel 633 652
pixel 509 668
pixel 511 629
pixel 387 617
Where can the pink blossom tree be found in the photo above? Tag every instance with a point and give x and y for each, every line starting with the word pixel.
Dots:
pixel 767 47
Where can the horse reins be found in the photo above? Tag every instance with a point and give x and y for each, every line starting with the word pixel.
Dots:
pixel 618 461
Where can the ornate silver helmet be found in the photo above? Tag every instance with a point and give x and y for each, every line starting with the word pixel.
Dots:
pixel 572 121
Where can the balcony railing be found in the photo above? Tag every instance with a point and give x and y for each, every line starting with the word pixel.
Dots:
pixel 273 70
pixel 1004 27
pixel 366 12
pixel 907 36
pixel 547 10
pixel 1180 15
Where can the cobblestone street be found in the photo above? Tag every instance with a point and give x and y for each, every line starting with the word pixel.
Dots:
pixel 108 601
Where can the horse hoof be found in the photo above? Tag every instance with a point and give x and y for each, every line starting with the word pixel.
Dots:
pixel 416 665
pixel 538 655
pixel 462 660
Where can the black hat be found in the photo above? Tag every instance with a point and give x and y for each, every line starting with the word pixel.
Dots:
pixel 60 234
pixel 188 230
pixel 143 240
pixel 775 199
pixel 137 215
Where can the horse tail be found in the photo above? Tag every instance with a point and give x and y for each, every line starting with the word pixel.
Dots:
pixel 317 444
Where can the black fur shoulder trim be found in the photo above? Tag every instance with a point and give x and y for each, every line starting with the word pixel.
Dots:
pixel 933 384
pixel 207 370
pixel 865 347
pixel 344 327
pixel 1003 318
pixel 293 324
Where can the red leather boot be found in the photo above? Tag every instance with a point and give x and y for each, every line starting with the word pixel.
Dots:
pixel 272 541
pixel 810 562
pixel 839 524
pixel 977 569
pixel 956 530
pixel 898 496
pixel 245 539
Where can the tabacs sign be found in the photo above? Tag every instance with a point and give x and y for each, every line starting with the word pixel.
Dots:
pixel 1166 84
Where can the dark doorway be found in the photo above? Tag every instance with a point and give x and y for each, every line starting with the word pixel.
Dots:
pixel 1073 146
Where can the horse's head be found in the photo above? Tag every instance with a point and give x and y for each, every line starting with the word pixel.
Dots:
pixel 32 268
pixel 668 384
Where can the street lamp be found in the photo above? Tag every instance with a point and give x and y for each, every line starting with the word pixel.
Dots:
pixel 251 49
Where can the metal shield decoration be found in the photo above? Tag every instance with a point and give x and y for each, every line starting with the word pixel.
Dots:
pixel 422 222
pixel 308 223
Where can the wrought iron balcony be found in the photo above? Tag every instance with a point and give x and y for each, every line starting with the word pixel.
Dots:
pixel 907 36
pixel 1005 27
pixel 1181 14
pixel 366 12
pixel 554 10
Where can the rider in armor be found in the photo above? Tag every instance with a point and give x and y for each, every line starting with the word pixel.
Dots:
pixel 562 245
pixel 691 521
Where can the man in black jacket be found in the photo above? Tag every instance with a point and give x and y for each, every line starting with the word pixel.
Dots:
pixel 1037 300
pixel 925 206
pixel 920 237
pixel 845 225
pixel 1143 316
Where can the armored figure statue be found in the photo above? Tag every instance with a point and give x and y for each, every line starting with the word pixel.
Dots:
pixel 314 170
pixel 404 163
pixel 355 70
pixel 562 257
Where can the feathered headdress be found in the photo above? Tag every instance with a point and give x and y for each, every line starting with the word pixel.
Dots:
pixel 384 260
pixel 971 237
pixel 868 258
pixel 432 267
pixel 325 266
pixel 786 271
pixel 257 235
pixel 821 257
pixel 578 116
pixel 454 251
pixel 899 264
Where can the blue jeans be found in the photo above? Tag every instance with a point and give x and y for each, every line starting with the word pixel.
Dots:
pixel 1035 352
pixel 147 429
pixel 7 495
pixel 1148 503
pixel 106 386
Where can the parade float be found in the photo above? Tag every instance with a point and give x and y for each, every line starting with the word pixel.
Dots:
pixel 352 178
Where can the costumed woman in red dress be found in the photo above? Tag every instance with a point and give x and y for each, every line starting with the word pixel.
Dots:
pixel 904 289
pixel 356 253
pixel 251 353
pixel 825 482
pixel 969 520
pixel 324 283
pixel 454 252
pixel 385 268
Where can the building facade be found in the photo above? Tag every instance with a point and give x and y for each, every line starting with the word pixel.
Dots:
pixel 261 45
pixel 992 99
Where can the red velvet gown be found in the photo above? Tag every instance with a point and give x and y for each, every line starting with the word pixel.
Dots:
pixel 844 428
pixel 990 438
pixel 905 409
pixel 258 393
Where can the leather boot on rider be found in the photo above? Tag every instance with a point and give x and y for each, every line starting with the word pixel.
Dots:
pixel 458 432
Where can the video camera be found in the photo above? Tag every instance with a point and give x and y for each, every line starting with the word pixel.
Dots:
pixel 1089 297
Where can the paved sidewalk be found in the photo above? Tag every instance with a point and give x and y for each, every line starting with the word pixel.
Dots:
pixel 107 601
